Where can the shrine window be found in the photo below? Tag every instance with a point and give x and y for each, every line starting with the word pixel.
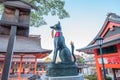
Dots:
pixel 108 50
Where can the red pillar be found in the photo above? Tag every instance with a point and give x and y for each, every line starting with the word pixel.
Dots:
pixel 2 66
pixel 20 68
pixel 29 68
pixel 99 70
pixel 118 48
pixel 43 69
pixel 35 67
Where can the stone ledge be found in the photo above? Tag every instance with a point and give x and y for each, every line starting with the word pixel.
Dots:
pixel 77 77
pixel 56 70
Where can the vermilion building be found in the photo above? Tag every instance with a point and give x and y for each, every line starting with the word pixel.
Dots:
pixel 27 48
pixel 110 32
pixel 26 52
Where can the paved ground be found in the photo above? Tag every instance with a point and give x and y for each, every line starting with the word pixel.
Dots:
pixel 23 77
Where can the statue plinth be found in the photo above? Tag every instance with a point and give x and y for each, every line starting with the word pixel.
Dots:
pixel 76 77
pixel 62 69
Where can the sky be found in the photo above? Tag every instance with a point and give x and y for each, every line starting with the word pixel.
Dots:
pixel 86 19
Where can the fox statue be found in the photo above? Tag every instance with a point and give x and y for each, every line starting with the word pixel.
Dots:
pixel 67 66
pixel 60 46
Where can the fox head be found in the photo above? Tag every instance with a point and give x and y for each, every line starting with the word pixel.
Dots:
pixel 56 27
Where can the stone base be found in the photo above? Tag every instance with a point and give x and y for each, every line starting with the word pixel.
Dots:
pixel 77 77
pixel 62 69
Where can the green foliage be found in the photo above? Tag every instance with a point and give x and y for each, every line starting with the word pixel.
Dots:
pixel 1 9
pixel 80 60
pixel 94 77
pixel 90 77
pixel 109 78
pixel 45 8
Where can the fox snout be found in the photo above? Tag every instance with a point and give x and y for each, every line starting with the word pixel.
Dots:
pixel 52 27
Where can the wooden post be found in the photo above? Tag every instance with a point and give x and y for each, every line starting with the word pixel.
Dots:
pixel 9 54
pixel 99 70
pixel 35 67
pixel 10 47
pixel 20 68
pixel 2 67
pixel 28 68
pixel 118 48
pixel 114 74
pixel 43 69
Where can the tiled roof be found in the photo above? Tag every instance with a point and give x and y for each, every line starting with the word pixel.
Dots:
pixel 89 48
pixel 20 4
pixel 23 45
pixel 111 17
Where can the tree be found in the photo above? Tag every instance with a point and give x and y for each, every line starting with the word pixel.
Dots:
pixel 81 60
pixel 48 60
pixel 45 8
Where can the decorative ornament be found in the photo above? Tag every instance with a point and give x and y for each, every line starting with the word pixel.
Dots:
pixel 52 33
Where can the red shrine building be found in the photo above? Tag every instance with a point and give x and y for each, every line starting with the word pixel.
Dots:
pixel 110 32
pixel 26 52
pixel 27 48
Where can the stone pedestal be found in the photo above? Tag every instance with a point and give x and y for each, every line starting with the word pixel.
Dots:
pixel 77 77
pixel 62 69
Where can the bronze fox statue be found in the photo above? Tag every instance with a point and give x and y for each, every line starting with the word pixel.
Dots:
pixel 60 46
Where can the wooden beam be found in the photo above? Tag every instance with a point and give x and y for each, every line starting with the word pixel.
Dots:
pixel 8 23
pixel 20 67
pixel 9 54
pixel 99 70
pixel 35 66
pixel 10 47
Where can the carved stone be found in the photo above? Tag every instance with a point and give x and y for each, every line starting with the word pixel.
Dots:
pixel 67 66
pixel 60 69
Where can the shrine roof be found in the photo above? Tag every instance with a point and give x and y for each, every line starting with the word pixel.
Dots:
pixel 111 17
pixel 89 49
pixel 23 45
pixel 19 4
pixel 110 32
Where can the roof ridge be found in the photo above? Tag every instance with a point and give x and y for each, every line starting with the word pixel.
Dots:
pixel 113 15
